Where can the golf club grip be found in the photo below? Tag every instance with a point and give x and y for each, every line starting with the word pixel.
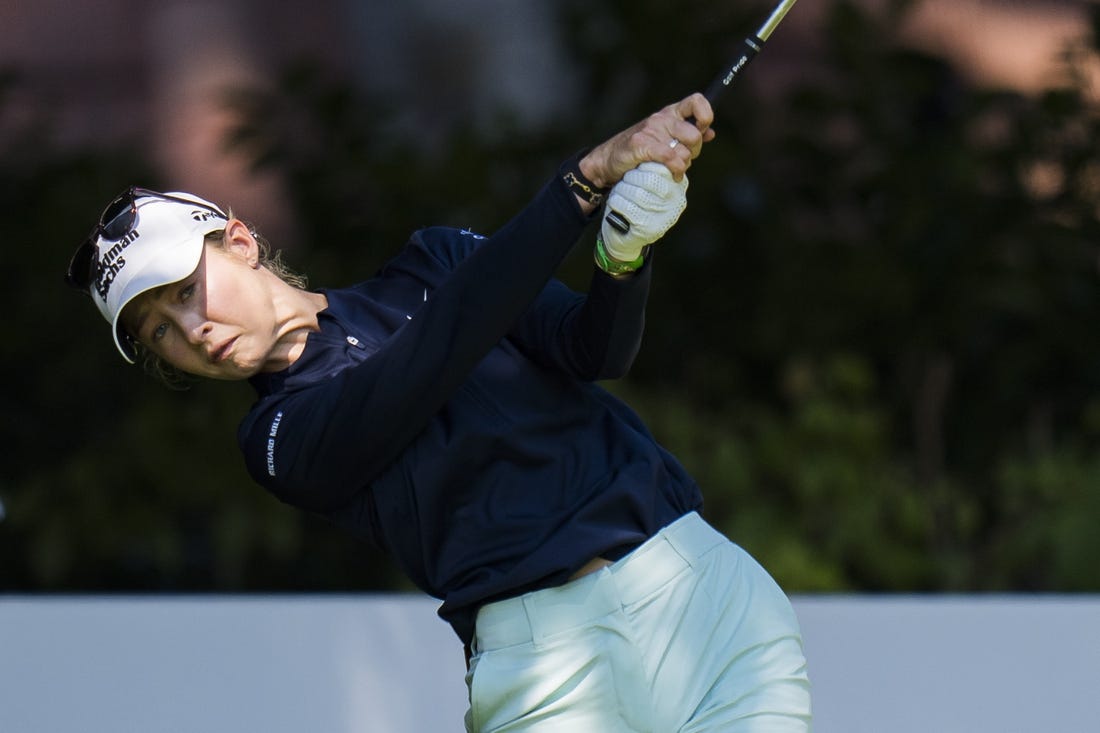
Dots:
pixel 746 53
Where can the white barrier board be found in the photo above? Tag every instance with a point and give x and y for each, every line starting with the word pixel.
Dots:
pixel 352 664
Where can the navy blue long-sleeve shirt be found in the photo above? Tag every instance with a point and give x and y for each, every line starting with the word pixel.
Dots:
pixel 447 411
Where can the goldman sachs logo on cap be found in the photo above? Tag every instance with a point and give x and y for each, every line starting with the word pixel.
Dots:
pixel 110 265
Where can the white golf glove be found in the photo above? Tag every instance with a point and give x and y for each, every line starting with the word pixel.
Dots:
pixel 640 209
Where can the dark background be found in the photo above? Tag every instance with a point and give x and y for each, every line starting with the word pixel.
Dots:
pixel 872 336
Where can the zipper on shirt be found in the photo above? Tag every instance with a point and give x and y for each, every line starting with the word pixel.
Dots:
pixel 358 350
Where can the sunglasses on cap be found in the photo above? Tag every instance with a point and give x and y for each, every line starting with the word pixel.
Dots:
pixel 116 221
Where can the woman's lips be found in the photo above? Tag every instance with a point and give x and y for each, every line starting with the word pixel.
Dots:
pixel 222 351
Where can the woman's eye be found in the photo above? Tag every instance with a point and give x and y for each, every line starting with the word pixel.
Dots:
pixel 159 331
pixel 187 291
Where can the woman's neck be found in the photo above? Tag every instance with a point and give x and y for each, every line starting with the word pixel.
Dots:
pixel 297 319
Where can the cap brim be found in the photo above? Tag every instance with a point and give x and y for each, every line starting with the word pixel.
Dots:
pixel 157 273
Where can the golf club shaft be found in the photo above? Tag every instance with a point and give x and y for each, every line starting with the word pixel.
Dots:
pixel 750 46
pixel 748 50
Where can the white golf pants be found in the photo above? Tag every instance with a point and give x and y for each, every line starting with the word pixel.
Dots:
pixel 686 633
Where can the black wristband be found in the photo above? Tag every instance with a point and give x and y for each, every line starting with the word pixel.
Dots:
pixel 579 184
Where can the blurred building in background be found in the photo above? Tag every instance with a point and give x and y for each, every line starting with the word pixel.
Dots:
pixel 155 73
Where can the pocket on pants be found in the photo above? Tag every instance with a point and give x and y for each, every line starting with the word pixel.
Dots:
pixel 581 680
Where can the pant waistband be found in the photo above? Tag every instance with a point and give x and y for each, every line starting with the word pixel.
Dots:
pixel 543 613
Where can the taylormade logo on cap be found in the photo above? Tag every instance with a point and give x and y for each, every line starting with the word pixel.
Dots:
pixel 164 245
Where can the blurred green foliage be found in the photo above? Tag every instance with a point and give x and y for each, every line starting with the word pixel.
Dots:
pixel 871 336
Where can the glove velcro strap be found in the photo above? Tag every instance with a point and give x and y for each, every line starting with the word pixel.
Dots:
pixel 612 266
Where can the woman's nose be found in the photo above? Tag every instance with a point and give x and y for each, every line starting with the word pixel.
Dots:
pixel 197 330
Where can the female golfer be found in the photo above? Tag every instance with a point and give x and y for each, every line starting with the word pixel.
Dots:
pixel 446 410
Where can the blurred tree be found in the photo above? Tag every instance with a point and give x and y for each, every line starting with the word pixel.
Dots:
pixel 881 218
pixel 870 336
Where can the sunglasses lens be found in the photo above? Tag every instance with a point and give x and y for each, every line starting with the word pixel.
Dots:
pixel 118 218
pixel 115 223
pixel 80 267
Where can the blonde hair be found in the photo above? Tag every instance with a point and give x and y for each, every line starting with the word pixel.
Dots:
pixel 270 258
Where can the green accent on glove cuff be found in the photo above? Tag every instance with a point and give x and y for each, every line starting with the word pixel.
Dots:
pixel 610 265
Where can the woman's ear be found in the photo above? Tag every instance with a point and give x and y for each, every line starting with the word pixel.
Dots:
pixel 239 241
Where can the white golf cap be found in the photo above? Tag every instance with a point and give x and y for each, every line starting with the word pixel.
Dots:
pixel 162 243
